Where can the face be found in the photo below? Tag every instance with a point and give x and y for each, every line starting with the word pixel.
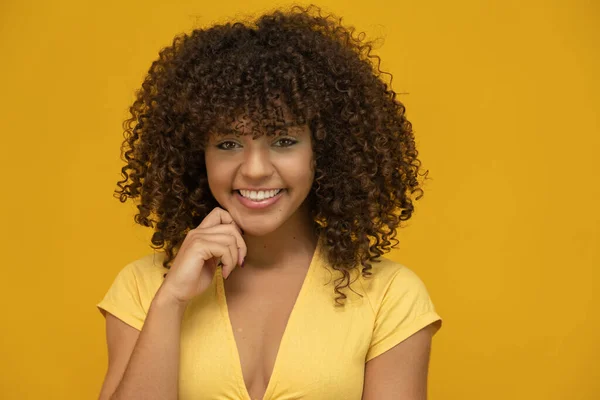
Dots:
pixel 261 182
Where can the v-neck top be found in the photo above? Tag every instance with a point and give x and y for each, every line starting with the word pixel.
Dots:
pixel 324 348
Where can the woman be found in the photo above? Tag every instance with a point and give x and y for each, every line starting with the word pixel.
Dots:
pixel 274 166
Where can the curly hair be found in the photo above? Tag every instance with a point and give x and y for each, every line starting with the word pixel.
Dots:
pixel 366 165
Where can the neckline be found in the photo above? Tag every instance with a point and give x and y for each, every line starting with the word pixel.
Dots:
pixel 239 374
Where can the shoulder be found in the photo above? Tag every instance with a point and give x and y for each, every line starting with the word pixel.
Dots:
pixel 392 282
pixel 146 273
pixel 147 268
pixel 133 289
pixel 390 278
pixel 400 303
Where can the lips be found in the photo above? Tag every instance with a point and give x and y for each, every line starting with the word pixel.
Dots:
pixel 258 204
pixel 258 195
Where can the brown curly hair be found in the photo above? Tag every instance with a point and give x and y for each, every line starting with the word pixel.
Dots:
pixel 366 165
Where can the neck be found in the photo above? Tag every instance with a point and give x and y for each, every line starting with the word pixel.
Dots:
pixel 292 243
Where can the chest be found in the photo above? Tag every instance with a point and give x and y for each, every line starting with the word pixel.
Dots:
pixel 259 315
pixel 278 341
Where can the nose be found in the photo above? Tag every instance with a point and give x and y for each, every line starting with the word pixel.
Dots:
pixel 257 163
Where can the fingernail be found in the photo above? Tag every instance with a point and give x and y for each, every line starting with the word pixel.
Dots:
pixel 243 261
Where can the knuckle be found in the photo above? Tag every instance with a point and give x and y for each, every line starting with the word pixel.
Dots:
pixel 197 241
pixel 193 233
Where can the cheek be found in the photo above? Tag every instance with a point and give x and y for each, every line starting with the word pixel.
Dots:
pixel 217 174
pixel 299 171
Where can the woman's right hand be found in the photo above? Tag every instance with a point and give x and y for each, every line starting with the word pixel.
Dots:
pixel 217 238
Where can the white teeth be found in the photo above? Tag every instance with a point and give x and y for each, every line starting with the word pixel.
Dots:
pixel 260 195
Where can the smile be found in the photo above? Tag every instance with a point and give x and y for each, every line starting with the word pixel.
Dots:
pixel 259 195
pixel 257 199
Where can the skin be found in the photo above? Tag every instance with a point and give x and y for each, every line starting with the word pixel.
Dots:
pixel 272 235
pixel 399 373
pixel 145 364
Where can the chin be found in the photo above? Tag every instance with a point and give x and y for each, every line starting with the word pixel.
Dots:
pixel 259 225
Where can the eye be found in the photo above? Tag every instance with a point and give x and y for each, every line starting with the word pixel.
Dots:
pixel 227 145
pixel 285 142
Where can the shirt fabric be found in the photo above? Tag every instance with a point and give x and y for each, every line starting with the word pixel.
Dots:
pixel 324 348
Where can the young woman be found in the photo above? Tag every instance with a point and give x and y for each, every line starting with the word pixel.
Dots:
pixel 274 166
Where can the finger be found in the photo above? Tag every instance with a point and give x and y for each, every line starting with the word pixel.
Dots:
pixel 232 230
pixel 228 268
pixel 215 217
pixel 210 250
pixel 226 239
pixel 237 227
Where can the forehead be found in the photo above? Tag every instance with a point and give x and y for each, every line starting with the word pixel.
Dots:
pixel 274 119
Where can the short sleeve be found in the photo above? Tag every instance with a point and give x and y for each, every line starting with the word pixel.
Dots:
pixel 405 308
pixel 130 295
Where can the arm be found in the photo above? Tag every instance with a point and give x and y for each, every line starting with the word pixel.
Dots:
pixel 401 372
pixel 145 365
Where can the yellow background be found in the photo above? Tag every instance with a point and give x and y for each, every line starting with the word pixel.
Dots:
pixel 504 99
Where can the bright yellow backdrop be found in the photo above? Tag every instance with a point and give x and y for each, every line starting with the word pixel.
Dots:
pixel 504 99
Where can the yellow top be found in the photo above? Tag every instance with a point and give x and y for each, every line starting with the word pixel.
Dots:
pixel 324 348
